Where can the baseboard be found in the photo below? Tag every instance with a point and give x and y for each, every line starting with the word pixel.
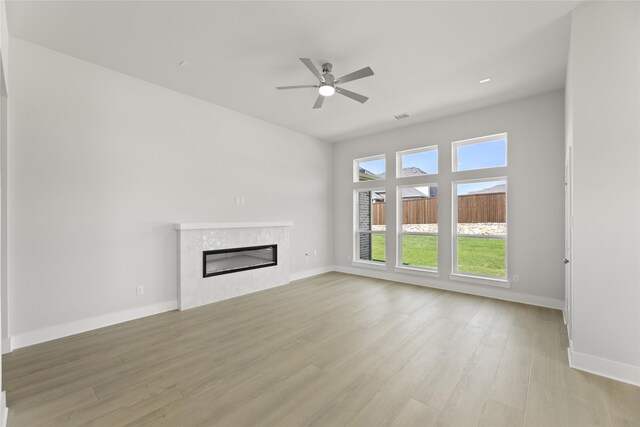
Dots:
pixel 6 345
pixel 479 290
pixel 309 273
pixel 84 325
pixel 4 411
pixel 604 367
pixel 564 314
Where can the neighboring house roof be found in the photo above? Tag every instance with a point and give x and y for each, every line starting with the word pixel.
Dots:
pixel 413 171
pixel 407 193
pixel 366 175
pixel 500 188
pixel 412 193
pixel 410 171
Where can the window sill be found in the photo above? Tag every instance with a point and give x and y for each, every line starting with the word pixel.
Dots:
pixel 369 264
pixel 416 271
pixel 501 283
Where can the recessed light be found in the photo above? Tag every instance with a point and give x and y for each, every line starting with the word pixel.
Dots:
pixel 487 80
pixel 184 64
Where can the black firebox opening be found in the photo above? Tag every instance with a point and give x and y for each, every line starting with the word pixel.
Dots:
pixel 225 261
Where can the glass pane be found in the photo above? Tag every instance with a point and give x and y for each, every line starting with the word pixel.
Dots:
pixel 420 251
pixel 372 247
pixel 481 155
pixel 419 209
pixel 370 170
pixel 419 163
pixel 482 256
pixel 482 208
pixel 371 205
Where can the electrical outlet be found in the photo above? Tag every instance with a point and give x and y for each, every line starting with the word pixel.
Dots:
pixel 139 290
pixel 516 278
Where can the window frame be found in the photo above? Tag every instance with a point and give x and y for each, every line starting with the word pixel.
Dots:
pixel 399 233
pixel 399 155
pixel 479 140
pixel 356 167
pixel 356 230
pixel 476 277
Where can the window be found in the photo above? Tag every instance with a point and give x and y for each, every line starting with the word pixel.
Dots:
pixel 480 153
pixel 480 228
pixel 417 162
pixel 369 169
pixel 370 225
pixel 418 220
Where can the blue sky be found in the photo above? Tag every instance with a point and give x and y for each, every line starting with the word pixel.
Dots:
pixel 425 160
pixel 375 166
pixel 484 155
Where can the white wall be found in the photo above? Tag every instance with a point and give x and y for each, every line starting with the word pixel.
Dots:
pixel 4 68
pixel 101 165
pixel 535 173
pixel 603 94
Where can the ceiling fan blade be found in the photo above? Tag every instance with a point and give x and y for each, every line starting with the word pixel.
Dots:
pixel 365 72
pixel 319 102
pixel 355 96
pixel 295 87
pixel 312 68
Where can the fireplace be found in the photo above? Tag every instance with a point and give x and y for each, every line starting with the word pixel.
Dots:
pixel 225 261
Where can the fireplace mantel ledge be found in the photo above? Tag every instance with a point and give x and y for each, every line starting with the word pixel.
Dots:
pixel 213 225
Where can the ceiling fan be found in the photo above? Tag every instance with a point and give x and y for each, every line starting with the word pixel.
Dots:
pixel 328 84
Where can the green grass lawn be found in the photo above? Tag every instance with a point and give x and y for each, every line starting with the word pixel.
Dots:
pixel 481 256
pixel 377 251
pixel 475 255
pixel 420 251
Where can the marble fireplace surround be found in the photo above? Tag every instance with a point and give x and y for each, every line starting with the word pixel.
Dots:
pixel 195 238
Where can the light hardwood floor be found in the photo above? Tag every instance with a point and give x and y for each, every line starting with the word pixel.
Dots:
pixel 332 350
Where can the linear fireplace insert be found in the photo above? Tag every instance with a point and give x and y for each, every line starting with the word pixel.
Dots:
pixel 225 261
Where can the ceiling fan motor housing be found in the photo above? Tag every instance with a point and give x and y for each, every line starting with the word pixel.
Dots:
pixel 326 73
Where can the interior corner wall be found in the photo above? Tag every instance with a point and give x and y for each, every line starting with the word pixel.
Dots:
pixel 603 98
pixel 535 174
pixel 101 165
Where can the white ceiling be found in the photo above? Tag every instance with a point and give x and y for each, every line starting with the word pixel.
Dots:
pixel 428 57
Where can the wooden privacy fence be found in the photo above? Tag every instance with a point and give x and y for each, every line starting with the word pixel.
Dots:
pixel 472 208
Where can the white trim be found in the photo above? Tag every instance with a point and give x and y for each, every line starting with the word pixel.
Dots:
pixel 83 325
pixel 356 167
pixel 417 271
pixel 212 225
pixel 400 233
pixel 4 411
pixel 618 371
pixel 310 273
pixel 6 345
pixel 356 222
pixel 370 264
pixel 455 235
pixel 487 291
pixel 501 283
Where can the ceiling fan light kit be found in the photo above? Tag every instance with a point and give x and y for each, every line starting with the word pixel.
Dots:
pixel 326 90
pixel 327 83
